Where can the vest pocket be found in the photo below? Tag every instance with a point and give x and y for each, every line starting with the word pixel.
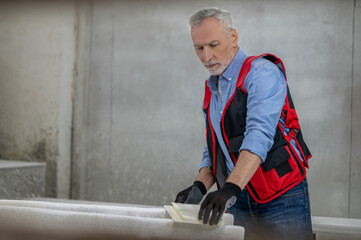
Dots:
pixel 275 158
pixel 276 175
pixel 278 160
pixel 283 169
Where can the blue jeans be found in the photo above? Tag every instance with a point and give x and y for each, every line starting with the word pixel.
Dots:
pixel 286 217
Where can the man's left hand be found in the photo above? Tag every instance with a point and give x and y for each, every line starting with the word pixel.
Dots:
pixel 218 202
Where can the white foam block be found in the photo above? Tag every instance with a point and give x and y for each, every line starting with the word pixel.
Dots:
pixel 188 213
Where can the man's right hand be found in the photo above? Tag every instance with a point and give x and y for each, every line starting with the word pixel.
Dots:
pixel 193 194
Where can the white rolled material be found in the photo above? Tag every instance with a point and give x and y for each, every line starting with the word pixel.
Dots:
pixel 154 212
pixel 331 225
pixel 123 222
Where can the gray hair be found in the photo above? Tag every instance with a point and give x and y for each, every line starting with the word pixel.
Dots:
pixel 222 15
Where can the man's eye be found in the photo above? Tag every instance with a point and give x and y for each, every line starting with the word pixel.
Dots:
pixel 199 48
pixel 213 45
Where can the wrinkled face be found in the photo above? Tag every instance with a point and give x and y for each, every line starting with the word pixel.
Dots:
pixel 214 45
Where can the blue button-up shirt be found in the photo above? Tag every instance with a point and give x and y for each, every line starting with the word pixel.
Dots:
pixel 267 90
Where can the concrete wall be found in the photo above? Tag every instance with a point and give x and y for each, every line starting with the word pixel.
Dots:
pixel 355 163
pixel 138 127
pixel 36 73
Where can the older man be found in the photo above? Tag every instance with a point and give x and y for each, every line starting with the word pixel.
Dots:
pixel 255 150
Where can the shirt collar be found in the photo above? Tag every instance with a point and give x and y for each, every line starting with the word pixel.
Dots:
pixel 231 72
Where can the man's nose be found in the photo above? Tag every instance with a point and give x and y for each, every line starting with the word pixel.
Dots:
pixel 207 54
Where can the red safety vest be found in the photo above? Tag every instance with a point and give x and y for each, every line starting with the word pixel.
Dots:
pixel 283 168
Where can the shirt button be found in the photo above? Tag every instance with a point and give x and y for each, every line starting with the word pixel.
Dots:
pixel 229 79
pixel 221 112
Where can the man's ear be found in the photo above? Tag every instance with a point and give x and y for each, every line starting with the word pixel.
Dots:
pixel 234 36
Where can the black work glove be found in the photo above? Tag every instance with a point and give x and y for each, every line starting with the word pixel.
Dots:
pixel 193 194
pixel 218 202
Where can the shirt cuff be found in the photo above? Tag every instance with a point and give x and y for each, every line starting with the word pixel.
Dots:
pixel 257 143
pixel 205 164
pixel 206 161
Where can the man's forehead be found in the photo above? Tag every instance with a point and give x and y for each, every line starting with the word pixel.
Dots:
pixel 209 30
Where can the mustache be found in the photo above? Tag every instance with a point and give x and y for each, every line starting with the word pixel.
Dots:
pixel 209 63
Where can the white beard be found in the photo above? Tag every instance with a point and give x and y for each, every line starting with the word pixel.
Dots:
pixel 221 67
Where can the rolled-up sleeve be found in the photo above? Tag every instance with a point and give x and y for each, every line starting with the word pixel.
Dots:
pixel 206 161
pixel 267 90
